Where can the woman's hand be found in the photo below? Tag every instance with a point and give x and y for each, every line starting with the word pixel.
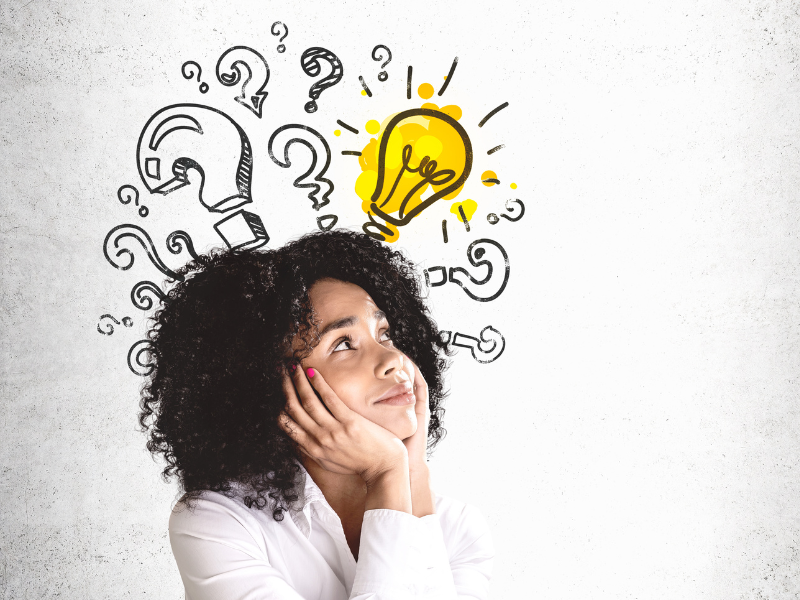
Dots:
pixel 417 444
pixel 340 441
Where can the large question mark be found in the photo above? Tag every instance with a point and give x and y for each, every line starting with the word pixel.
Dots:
pixel 229 73
pixel 485 349
pixel 313 177
pixel 191 137
pixel 311 61
pixel 474 287
pixel 189 74
pixel 281 47
pixel 383 75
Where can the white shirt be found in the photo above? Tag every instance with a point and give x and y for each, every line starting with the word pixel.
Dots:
pixel 226 551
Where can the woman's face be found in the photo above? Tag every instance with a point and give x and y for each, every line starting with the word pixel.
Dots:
pixel 357 358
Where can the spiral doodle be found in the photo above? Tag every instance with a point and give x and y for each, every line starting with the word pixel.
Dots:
pixel 135 364
pixel 125 231
pixel 176 241
pixel 140 295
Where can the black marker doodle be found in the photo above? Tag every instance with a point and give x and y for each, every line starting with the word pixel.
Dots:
pixel 229 73
pixel 474 287
pixel 491 180
pixel 135 364
pixel 311 61
pixel 122 233
pixel 349 128
pixel 492 113
pixel 141 292
pixel 464 218
pixel 449 76
pixel 408 82
pixel 311 139
pixel 493 218
pixel 189 74
pixel 365 86
pixel 495 149
pixel 483 350
pixel 192 137
pixel 126 321
pixel 127 193
pixel 351 152
pixel 326 222
pixel 444 230
pixel 383 75
pixel 281 47
pixel 426 171
pixel 176 241
pixel 229 229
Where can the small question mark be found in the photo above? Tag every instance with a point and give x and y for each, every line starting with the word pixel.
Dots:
pixel 494 219
pixel 127 321
pixel 229 73
pixel 470 284
pixel 127 193
pixel 190 74
pixel 311 61
pixel 281 47
pixel 484 350
pixel 382 76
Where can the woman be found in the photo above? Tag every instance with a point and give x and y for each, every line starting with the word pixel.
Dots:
pixel 307 380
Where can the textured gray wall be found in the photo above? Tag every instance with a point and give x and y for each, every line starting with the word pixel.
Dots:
pixel 640 436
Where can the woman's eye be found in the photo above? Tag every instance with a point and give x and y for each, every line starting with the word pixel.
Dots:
pixel 386 336
pixel 343 345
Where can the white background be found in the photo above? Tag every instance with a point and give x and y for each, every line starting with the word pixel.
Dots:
pixel 639 436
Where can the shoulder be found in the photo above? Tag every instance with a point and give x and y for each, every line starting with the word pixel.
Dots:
pixel 464 527
pixel 216 516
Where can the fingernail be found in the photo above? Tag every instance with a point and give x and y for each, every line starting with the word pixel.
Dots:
pixel 294 368
pixel 310 372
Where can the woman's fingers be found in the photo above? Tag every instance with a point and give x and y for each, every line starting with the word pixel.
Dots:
pixel 294 431
pixel 296 410
pixel 310 380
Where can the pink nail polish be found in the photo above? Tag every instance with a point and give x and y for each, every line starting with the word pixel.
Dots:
pixel 310 372
pixel 294 368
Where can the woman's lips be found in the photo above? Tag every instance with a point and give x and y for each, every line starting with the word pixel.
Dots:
pixel 400 395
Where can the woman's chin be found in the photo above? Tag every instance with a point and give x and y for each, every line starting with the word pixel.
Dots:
pixel 402 425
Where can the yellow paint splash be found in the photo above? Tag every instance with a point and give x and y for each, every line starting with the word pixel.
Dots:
pixel 469 207
pixel 488 175
pixel 337 133
pixel 425 91
pixel 372 126
pixel 431 138
pixel 513 186
pixel 363 92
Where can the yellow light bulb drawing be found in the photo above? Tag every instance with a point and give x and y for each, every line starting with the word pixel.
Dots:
pixel 420 148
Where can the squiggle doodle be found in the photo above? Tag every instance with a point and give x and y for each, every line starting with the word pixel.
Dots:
pixel 485 349
pixel 126 321
pixel 123 232
pixel 135 363
pixel 229 73
pixel 474 287
pixel 312 61
pixel 493 218
pixel 311 139
pixel 127 193
pixel 176 241
pixel 140 298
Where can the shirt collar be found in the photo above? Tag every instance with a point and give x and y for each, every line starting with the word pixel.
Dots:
pixel 308 493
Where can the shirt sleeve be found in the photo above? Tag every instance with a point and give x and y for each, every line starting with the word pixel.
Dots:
pixel 402 557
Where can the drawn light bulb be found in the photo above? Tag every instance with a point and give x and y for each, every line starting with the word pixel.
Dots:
pixel 422 156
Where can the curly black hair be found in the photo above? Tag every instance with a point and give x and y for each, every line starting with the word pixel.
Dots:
pixel 211 403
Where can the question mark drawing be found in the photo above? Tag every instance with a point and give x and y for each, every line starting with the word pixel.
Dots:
pixel 311 61
pixel 485 349
pixel 127 193
pixel 494 219
pixel 229 73
pixel 383 75
pixel 313 177
pixel 189 74
pixel 184 138
pixel 281 47
pixel 472 286
pixel 109 328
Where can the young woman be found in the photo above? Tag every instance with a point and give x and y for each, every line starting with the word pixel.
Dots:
pixel 307 380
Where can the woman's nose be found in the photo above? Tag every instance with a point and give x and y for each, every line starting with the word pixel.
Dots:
pixel 389 360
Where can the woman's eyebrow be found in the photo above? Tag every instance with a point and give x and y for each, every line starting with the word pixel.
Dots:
pixel 348 322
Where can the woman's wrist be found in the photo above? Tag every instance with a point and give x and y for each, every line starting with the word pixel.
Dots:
pixel 423 500
pixel 390 488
